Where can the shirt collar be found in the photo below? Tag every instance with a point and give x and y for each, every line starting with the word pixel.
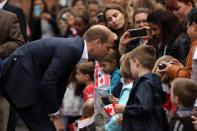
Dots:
pixel 184 111
pixel 2 4
pixel 84 56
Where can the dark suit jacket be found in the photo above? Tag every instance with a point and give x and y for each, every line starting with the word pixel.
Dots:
pixel 39 71
pixel 20 15
pixel 10 36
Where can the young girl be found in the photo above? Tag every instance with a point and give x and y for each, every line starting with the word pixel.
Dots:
pixel 85 75
pixel 110 66
pixel 71 108
pixel 124 95
pixel 166 82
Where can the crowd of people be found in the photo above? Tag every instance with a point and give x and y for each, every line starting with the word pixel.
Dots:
pixel 147 47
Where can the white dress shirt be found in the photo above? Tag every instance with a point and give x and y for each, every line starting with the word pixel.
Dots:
pixel 84 56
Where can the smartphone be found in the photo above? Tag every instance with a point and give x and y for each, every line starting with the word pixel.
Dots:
pixel 138 32
pixel 37 10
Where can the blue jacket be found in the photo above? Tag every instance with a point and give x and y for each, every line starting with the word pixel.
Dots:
pixel 115 77
pixel 124 96
pixel 144 111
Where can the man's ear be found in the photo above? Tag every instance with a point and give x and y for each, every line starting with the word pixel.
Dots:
pixel 97 43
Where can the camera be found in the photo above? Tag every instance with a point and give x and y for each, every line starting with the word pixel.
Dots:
pixel 64 17
pixel 162 66
pixel 138 32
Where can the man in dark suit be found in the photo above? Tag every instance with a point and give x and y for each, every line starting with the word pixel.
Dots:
pixel 10 38
pixel 34 77
pixel 5 5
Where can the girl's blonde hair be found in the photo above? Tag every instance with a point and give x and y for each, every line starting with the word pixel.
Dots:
pixel 88 108
pixel 125 66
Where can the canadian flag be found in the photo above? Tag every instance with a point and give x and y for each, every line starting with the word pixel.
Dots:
pixel 101 79
pixel 109 109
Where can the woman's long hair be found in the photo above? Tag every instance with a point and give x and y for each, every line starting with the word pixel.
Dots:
pixel 127 22
pixel 170 27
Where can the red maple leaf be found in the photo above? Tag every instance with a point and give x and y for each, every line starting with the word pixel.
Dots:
pixel 108 110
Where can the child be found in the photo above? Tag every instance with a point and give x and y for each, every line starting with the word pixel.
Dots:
pixel 124 95
pixel 85 75
pixel 88 112
pixel 143 111
pixel 183 94
pixel 166 82
pixel 72 102
pixel 110 66
pixel 88 108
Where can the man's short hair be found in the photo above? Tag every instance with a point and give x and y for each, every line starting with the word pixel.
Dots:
pixel 192 16
pixel 145 54
pixel 185 90
pixel 97 33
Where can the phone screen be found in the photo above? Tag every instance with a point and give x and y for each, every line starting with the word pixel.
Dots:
pixel 138 32
pixel 37 10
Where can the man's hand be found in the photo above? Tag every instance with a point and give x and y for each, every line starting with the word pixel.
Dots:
pixel 59 126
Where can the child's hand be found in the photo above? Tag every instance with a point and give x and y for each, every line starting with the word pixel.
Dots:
pixel 119 120
pixel 119 108
pixel 113 99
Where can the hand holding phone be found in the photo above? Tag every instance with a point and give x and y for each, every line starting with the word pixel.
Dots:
pixel 141 32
